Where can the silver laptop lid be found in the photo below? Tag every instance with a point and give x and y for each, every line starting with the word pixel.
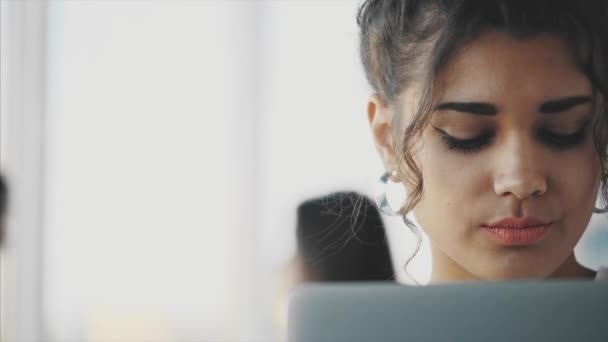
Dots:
pixel 506 311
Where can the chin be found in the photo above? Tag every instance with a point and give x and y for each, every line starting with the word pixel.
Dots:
pixel 520 271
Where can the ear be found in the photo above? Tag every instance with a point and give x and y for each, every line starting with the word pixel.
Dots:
pixel 380 120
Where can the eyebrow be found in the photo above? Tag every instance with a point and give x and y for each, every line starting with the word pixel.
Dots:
pixel 477 108
pixel 562 105
pixel 488 109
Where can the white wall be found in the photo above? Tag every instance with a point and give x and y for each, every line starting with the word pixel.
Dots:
pixel 181 138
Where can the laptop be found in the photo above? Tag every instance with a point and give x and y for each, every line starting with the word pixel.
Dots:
pixel 476 311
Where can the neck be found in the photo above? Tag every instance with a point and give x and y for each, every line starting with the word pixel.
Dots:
pixel 446 270
pixel 571 269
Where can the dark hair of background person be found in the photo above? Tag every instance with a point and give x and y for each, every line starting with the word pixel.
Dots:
pixel 403 41
pixel 341 237
pixel 3 205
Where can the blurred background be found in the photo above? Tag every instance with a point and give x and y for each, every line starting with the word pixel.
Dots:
pixel 155 154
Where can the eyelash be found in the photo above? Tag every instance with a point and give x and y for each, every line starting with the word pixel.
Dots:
pixel 467 145
pixel 551 139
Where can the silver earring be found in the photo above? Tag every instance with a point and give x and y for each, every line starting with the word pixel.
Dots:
pixel 604 210
pixel 380 197
pixel 600 211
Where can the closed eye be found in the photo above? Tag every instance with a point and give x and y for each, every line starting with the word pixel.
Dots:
pixel 470 145
pixel 561 141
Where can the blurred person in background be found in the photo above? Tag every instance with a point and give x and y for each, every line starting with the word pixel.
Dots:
pixel 3 205
pixel 493 116
pixel 340 238
pixel 3 209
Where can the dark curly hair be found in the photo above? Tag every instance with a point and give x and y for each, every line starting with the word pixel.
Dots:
pixel 402 41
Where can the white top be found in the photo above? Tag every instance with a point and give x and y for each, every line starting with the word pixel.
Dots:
pixel 602 273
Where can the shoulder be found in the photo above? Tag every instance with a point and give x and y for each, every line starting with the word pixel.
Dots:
pixel 602 273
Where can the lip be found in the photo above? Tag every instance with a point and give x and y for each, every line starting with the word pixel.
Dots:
pixel 515 231
pixel 518 222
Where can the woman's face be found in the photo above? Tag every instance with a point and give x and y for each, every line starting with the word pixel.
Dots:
pixel 509 138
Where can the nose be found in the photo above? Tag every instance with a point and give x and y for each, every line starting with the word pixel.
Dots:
pixel 520 170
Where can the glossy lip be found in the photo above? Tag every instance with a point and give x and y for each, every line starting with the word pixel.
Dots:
pixel 516 231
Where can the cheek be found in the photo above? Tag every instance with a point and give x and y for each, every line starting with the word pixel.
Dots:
pixel 453 187
pixel 450 175
pixel 576 179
